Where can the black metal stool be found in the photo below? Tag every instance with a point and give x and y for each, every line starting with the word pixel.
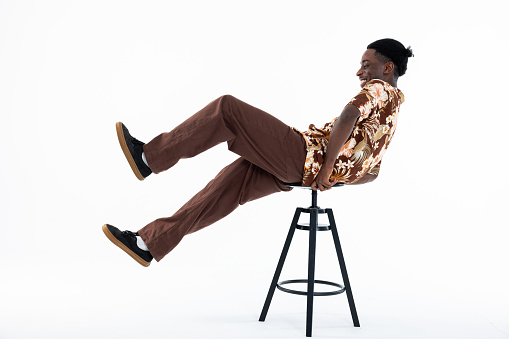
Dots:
pixel 313 227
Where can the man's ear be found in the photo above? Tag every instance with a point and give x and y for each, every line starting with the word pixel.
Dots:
pixel 388 67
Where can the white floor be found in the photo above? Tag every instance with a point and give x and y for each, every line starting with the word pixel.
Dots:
pixel 225 307
pixel 202 290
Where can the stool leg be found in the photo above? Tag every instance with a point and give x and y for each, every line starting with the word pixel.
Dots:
pixel 342 265
pixel 313 225
pixel 282 258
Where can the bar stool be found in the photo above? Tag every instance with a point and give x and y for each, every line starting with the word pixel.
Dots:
pixel 312 227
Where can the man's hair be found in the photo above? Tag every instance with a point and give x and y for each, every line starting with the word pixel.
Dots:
pixel 392 50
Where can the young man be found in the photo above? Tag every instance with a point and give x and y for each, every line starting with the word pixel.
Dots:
pixel 347 150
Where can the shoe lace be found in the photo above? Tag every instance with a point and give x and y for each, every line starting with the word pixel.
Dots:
pixel 130 234
pixel 136 141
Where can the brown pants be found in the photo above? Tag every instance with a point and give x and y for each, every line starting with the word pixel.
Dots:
pixel 271 153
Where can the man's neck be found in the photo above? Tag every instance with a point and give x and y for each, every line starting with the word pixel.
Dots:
pixel 391 81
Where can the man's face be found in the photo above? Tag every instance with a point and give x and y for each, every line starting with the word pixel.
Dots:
pixel 371 67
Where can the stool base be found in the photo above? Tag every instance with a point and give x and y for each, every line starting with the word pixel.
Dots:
pixel 310 281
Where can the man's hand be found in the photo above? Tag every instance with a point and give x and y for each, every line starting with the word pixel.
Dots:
pixel 322 182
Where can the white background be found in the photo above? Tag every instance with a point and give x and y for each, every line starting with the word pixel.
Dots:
pixel 425 245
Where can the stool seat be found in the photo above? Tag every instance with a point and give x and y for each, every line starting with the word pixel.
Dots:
pixel 313 226
pixel 299 185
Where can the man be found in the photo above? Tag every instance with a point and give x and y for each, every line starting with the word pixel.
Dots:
pixel 348 150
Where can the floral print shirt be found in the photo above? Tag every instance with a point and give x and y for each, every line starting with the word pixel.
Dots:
pixel 362 153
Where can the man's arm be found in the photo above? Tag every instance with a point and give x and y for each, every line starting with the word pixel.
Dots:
pixel 340 132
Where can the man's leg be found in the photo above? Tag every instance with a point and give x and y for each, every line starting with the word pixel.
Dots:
pixel 272 153
pixel 235 185
pixel 250 132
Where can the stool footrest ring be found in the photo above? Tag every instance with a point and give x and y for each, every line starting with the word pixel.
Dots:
pixel 305 281
pixel 305 227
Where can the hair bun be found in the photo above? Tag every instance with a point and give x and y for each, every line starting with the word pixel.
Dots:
pixel 408 52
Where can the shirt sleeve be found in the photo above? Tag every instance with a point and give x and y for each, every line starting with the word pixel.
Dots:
pixel 372 97
pixel 363 102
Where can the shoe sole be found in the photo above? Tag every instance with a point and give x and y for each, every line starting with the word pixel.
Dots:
pixel 126 249
pixel 125 149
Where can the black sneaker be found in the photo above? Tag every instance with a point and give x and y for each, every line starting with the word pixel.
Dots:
pixel 126 240
pixel 132 149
